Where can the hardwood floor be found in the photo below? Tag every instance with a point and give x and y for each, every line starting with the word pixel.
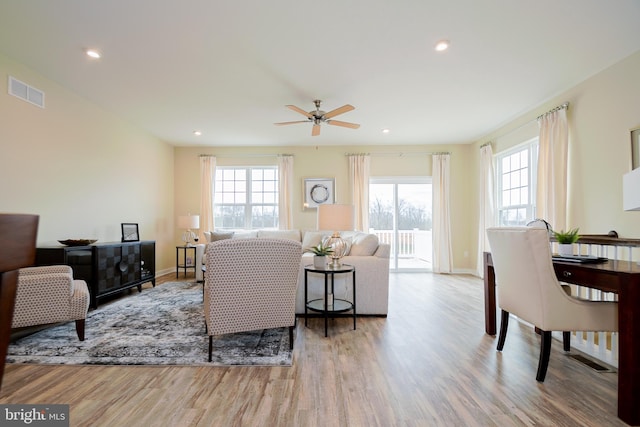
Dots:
pixel 428 363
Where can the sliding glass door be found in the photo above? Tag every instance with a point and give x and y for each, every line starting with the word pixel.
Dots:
pixel 400 213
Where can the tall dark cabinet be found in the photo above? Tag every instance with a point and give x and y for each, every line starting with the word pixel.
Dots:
pixel 107 268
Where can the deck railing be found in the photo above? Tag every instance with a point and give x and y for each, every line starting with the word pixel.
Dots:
pixel 601 345
pixel 411 243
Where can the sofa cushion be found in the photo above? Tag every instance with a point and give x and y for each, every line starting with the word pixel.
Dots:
pixel 250 234
pixel 364 244
pixel 311 239
pixel 280 234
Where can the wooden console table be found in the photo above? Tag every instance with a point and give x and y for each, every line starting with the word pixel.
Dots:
pixel 620 277
pixel 107 268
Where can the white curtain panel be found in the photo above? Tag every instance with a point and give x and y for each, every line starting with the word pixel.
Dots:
pixel 207 182
pixel 486 208
pixel 442 253
pixel 359 171
pixel 551 199
pixel 285 192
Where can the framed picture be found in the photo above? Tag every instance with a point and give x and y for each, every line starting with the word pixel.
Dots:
pixel 318 191
pixel 635 148
pixel 130 232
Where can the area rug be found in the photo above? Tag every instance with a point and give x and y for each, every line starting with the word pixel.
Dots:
pixel 160 326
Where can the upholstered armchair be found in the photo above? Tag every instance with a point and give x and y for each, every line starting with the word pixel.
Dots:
pixel 528 288
pixel 250 284
pixel 50 295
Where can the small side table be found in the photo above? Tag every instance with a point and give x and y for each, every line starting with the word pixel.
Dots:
pixel 185 265
pixel 323 305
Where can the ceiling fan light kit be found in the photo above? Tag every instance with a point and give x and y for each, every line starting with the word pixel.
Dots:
pixel 317 117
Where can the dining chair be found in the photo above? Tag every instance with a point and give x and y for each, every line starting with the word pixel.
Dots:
pixel 528 288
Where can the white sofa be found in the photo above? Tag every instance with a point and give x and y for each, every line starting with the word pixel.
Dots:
pixel 366 254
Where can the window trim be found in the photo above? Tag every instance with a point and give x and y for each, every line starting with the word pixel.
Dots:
pixel 532 145
pixel 248 205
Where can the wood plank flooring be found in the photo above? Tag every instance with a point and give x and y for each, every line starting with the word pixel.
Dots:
pixel 428 363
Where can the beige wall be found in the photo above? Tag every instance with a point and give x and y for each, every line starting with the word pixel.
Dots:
pixel 602 111
pixel 82 169
pixel 327 161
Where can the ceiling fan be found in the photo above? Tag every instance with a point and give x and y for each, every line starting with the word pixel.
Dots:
pixel 318 116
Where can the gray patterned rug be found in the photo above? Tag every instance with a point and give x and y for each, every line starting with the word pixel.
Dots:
pixel 160 326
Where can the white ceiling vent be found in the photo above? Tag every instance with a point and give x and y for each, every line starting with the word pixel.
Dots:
pixel 26 92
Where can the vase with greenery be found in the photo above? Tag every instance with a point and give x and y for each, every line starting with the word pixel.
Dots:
pixel 320 252
pixel 565 240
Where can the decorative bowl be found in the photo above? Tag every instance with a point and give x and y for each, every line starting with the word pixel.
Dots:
pixel 77 242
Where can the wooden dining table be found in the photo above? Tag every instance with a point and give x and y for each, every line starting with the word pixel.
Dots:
pixel 620 277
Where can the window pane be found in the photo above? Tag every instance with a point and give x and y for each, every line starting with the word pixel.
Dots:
pixel 235 196
pixel 515 196
pixel 515 162
pixel 515 179
pixel 517 200
pixel 506 164
pixel 506 199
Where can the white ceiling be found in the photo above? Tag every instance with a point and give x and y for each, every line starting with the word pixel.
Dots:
pixel 228 68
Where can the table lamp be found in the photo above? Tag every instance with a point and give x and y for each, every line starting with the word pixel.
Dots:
pixel 336 218
pixel 189 222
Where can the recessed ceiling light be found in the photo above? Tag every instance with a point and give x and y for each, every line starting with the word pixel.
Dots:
pixel 442 45
pixel 93 53
pixel 385 131
pixel 197 133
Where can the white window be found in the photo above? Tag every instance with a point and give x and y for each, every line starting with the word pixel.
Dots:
pixel 246 197
pixel 516 171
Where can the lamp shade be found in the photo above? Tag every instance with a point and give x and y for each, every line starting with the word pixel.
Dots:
pixel 189 221
pixel 631 190
pixel 335 217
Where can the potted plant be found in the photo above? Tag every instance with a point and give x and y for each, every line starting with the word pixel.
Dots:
pixel 320 252
pixel 565 240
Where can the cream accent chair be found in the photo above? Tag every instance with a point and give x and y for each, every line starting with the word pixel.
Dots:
pixel 50 295
pixel 529 289
pixel 250 284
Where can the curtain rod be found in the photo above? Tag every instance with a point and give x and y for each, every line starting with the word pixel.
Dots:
pixel 553 110
pixel 560 107
pixel 398 154
pixel 245 155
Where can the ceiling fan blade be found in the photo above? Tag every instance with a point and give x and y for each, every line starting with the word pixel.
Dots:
pixel 299 110
pixel 343 124
pixel 291 123
pixel 315 131
pixel 340 110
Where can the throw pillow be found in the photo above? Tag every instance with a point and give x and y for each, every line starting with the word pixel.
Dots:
pixel 364 244
pixel 280 234
pixel 221 235
pixel 311 239
pixel 250 234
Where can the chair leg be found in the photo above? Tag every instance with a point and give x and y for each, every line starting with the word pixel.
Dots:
pixel 545 351
pixel 210 347
pixel 566 341
pixel 80 329
pixel 504 324
pixel 290 337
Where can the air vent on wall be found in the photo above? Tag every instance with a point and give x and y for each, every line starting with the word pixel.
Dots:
pixel 26 92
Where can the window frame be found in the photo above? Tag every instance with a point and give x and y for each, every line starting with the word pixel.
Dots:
pixel 532 145
pixel 248 204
